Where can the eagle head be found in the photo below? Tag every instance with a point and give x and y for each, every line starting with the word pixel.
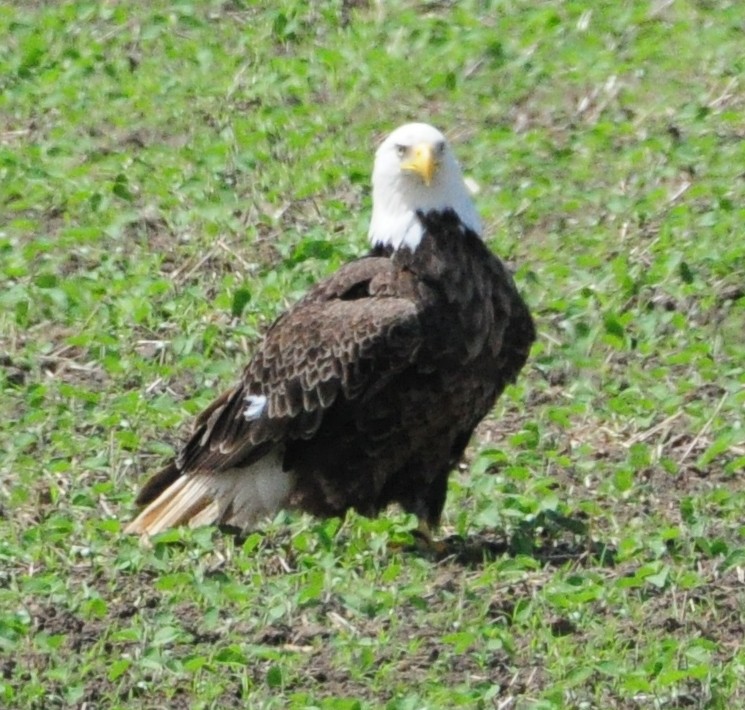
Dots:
pixel 415 170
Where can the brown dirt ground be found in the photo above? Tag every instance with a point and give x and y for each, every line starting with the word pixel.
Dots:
pixel 717 617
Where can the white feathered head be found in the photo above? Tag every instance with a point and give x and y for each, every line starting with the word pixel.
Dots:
pixel 415 169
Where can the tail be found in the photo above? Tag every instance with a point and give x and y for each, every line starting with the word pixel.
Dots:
pixel 239 497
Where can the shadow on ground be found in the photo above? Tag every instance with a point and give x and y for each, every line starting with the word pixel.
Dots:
pixel 550 538
pixel 475 550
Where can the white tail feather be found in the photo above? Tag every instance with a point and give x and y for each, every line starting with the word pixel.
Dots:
pixel 238 496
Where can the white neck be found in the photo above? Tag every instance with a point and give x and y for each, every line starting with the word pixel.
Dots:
pixel 396 200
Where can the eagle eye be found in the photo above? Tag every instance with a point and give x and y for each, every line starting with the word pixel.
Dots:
pixel 401 150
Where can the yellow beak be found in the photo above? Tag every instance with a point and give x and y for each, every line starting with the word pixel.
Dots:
pixel 422 162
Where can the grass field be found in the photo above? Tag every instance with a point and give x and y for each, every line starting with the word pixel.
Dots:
pixel 173 175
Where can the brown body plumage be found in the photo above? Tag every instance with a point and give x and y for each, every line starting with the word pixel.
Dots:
pixel 363 394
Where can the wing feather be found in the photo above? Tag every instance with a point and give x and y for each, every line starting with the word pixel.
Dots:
pixel 351 330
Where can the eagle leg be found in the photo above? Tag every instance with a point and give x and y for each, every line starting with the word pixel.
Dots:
pixel 425 541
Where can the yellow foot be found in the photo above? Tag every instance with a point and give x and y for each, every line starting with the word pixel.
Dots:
pixel 426 543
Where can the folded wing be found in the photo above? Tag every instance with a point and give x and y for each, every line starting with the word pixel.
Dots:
pixel 348 333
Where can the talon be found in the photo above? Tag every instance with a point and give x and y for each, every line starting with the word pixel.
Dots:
pixel 425 541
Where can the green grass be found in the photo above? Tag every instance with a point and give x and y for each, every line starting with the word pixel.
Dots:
pixel 172 175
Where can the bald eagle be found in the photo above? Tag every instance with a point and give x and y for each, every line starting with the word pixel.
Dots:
pixel 366 391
